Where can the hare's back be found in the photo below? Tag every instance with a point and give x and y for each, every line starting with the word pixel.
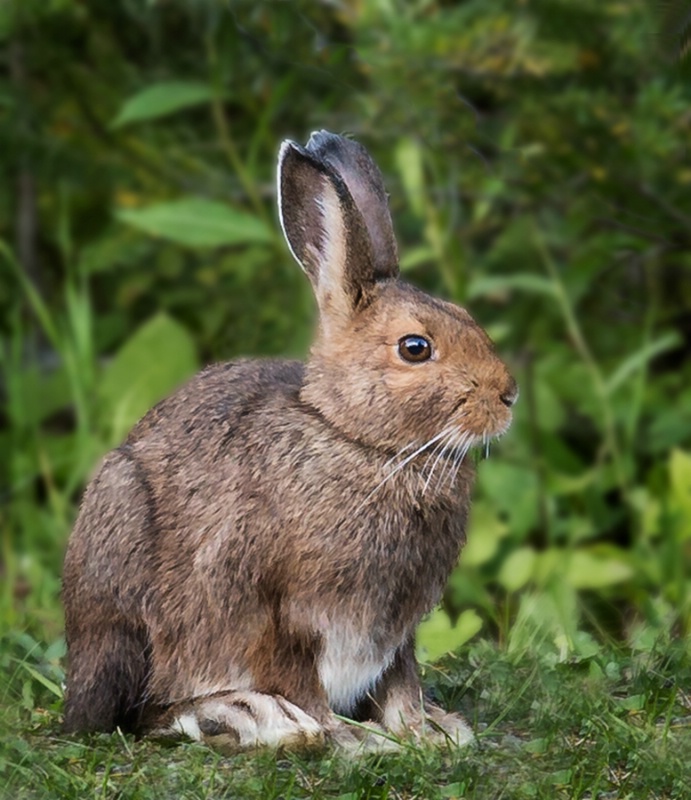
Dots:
pixel 205 412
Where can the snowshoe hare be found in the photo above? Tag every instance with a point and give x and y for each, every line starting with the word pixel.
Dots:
pixel 253 561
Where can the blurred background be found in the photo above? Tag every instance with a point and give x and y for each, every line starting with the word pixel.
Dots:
pixel 537 157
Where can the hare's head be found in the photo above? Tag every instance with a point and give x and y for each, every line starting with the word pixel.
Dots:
pixel 391 366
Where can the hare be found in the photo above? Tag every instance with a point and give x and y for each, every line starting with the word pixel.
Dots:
pixel 250 566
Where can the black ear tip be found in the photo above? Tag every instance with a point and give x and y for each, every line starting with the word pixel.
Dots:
pixel 321 138
pixel 324 142
pixel 289 146
pixel 293 153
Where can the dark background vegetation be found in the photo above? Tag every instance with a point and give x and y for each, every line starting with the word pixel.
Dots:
pixel 537 157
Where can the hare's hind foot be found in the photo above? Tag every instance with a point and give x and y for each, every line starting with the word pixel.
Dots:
pixel 240 720
pixel 447 727
pixel 432 726
pixel 429 723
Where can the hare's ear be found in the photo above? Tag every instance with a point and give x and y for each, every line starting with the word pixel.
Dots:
pixel 355 167
pixel 325 231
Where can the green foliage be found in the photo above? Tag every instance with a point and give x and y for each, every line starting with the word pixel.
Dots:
pixel 162 99
pixel 155 359
pixel 536 156
pixel 197 223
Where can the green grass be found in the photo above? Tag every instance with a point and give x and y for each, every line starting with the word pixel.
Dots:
pixel 614 725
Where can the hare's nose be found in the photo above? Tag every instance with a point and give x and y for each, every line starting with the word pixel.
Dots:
pixel 510 394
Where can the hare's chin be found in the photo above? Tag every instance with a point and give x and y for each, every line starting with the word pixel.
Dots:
pixel 497 432
pixel 490 431
pixel 477 438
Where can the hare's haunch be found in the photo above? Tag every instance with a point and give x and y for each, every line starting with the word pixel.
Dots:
pixel 255 558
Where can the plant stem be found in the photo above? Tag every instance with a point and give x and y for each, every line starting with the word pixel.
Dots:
pixel 225 137
pixel 536 445
pixel 579 341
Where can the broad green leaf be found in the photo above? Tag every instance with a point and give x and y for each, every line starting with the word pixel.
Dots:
pixel 561 778
pixel 485 531
pixel 198 223
pixel 639 359
pixel 513 490
pixel 560 484
pixel 56 650
pixel 498 331
pixel 162 99
pixel 585 646
pixel 517 568
pixel 540 745
pixel 416 256
pixel 494 285
pixel 436 636
pixel 634 702
pixel 584 570
pixel 37 676
pixel 452 790
pixel 154 361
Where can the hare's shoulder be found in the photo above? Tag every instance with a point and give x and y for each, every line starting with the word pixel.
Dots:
pixel 220 396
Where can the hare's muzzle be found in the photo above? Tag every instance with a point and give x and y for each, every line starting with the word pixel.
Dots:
pixel 485 411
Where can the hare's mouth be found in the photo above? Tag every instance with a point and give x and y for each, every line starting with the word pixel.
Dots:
pixel 438 460
pixel 483 417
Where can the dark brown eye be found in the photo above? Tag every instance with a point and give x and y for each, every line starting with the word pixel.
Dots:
pixel 414 348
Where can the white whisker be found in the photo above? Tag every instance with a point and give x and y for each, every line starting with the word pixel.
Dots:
pixel 450 459
pixel 464 452
pixel 432 453
pixel 460 449
pixel 402 464
pixel 419 450
pixel 400 452
pixel 441 454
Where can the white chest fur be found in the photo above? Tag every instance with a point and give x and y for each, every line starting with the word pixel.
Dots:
pixel 350 665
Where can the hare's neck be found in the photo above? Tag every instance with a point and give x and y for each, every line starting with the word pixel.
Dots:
pixel 358 410
pixel 343 431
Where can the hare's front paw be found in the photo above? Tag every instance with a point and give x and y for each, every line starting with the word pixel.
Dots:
pixel 240 720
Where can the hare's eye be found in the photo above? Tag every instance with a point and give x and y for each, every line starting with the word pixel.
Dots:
pixel 414 348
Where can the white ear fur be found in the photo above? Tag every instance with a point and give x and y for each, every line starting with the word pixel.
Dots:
pixel 332 255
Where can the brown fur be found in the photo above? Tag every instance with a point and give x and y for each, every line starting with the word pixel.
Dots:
pixel 247 516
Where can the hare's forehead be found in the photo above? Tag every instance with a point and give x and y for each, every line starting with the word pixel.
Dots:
pixel 401 310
